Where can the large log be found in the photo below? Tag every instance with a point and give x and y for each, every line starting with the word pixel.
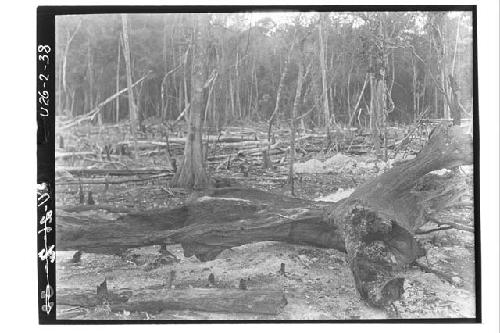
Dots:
pixel 375 225
pixel 155 300
pixel 380 217
pixel 215 220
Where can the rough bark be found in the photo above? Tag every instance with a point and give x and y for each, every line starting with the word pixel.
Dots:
pixel 217 220
pixel 192 172
pixel 378 87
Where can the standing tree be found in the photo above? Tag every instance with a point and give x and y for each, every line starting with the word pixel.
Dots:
pixel 64 96
pixel 117 105
pixel 278 93
pixel 192 172
pixel 324 96
pixel 435 24
pixel 131 101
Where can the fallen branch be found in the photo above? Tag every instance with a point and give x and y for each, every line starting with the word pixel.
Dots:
pixel 107 181
pixel 439 274
pixel 454 225
pixel 91 115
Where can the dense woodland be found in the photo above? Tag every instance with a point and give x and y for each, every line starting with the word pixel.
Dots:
pixel 269 149
pixel 422 58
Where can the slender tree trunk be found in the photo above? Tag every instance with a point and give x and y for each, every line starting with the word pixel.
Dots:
pixel 117 103
pixel 293 125
pixel 326 110
pixel 180 98
pixel 90 71
pixel 456 45
pixel 356 106
pixel 131 100
pixel 436 107
pixel 231 96
pixel 64 65
pixel 163 92
pixel 73 102
pixel 278 94
pixel 436 24
pixel 192 172
pixel 186 98
pixel 349 111
pixel 446 110
pixel 250 90
pixel 414 87
pixel 455 106
pixel 237 85
pixel 209 102
pixel 256 103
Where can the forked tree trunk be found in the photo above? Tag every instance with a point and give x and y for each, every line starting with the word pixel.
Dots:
pixel 192 172
pixel 375 225
pixel 356 106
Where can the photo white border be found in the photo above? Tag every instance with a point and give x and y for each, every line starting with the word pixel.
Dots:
pixel 17 83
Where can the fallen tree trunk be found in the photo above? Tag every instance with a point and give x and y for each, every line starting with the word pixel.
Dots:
pixel 112 172
pixel 105 181
pixel 375 225
pixel 380 217
pixel 216 220
pixel 269 302
pixel 65 155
